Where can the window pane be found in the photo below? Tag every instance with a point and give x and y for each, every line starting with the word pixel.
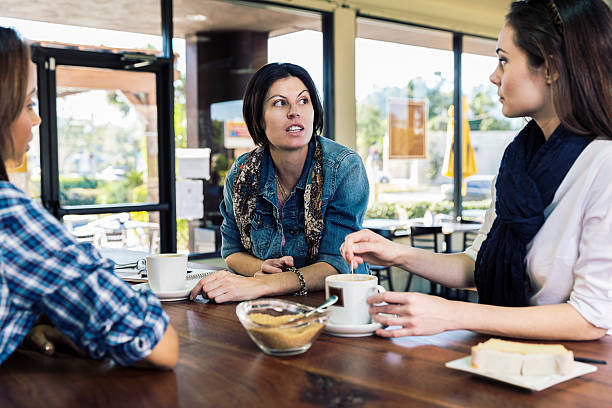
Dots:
pixel 489 131
pixel 310 57
pixel 137 231
pixel 225 43
pixel 107 136
pixel 404 88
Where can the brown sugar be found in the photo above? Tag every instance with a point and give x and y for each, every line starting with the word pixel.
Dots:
pixel 281 338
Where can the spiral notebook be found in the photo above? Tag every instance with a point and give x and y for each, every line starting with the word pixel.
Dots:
pixel 194 271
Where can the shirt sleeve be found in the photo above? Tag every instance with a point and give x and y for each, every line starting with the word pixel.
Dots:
pixel 490 215
pixel 345 211
pixel 230 234
pixel 47 271
pixel 591 294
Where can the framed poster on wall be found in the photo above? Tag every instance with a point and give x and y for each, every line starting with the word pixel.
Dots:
pixel 407 128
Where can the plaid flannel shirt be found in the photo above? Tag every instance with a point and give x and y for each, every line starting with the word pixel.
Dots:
pixel 44 269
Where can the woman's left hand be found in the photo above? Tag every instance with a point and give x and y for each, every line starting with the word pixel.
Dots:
pixel 45 338
pixel 224 286
pixel 418 314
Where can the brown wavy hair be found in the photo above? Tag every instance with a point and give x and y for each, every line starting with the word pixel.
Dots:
pixel 574 39
pixel 14 60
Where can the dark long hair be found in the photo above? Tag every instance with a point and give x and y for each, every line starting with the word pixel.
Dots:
pixel 574 39
pixel 256 92
pixel 14 60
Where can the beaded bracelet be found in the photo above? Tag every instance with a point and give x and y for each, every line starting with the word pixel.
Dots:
pixel 300 277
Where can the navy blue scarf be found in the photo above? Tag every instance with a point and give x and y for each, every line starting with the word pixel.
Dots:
pixel 529 174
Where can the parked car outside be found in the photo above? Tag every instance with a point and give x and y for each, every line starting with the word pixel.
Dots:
pixel 478 188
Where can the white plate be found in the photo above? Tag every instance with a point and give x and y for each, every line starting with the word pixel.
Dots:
pixel 352 330
pixel 182 294
pixel 529 382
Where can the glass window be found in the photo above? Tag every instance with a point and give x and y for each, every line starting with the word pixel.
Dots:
pixel 107 136
pixel 106 119
pixel 281 48
pixel 224 43
pixel 404 89
pixel 137 231
pixel 489 131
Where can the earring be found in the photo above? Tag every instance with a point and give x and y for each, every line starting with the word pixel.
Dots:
pixel 547 76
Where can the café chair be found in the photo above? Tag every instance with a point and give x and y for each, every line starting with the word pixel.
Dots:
pixel 469 236
pixel 468 239
pixel 426 237
pixel 203 255
pixel 383 273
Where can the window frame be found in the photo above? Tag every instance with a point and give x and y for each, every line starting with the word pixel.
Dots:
pixel 47 59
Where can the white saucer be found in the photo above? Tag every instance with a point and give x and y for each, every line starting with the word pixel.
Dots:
pixel 170 296
pixel 352 330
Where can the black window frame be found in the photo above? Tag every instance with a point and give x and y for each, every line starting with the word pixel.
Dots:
pixel 46 59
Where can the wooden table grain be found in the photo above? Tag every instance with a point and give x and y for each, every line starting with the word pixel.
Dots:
pixel 220 366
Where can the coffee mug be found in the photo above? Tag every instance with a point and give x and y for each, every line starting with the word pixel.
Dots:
pixel 352 291
pixel 167 272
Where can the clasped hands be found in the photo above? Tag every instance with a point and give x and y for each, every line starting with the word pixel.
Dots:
pixel 416 314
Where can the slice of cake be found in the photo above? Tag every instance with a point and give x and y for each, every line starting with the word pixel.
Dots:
pixel 513 358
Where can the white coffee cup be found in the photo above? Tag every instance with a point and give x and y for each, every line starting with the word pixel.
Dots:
pixel 167 272
pixel 352 291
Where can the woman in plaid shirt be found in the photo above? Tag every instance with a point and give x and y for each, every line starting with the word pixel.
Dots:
pixel 43 269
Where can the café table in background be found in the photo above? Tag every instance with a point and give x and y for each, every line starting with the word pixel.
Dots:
pixel 219 366
pixel 392 229
pixel 398 229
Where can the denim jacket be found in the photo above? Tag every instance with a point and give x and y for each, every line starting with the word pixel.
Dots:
pixel 344 202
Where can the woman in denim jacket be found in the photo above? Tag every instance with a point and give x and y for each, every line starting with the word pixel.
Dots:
pixel 288 204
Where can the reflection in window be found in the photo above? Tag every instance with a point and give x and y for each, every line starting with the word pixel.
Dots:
pixel 489 131
pixel 404 88
pixel 283 48
pixel 134 231
pixel 225 45
pixel 107 136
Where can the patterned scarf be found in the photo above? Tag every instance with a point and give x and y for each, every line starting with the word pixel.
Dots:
pixel 246 189
pixel 529 175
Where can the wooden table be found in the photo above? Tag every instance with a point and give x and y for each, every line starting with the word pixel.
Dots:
pixel 220 366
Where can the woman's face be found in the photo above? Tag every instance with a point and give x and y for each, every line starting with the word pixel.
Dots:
pixel 523 91
pixel 288 114
pixel 21 129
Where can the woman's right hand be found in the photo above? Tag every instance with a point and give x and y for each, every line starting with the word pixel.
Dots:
pixel 367 246
pixel 275 265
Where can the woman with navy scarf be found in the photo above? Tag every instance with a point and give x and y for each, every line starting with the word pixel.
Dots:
pixel 542 262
